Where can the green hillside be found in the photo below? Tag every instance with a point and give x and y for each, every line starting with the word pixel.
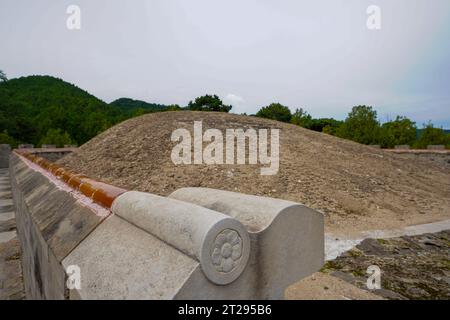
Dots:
pixel 132 106
pixel 47 110
pixel 35 107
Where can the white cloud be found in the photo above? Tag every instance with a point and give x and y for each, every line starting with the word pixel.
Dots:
pixel 233 99
pixel 237 102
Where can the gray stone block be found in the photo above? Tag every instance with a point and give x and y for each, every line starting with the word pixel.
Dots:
pixel 120 261
pixel 192 229
pixel 287 237
pixel 51 222
pixel 26 146
pixel 65 234
pixel 5 151
pixel 436 147
pixel 161 248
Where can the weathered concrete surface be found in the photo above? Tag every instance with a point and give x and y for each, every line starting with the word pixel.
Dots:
pixel 120 261
pixel 51 223
pixel 287 237
pixel 11 282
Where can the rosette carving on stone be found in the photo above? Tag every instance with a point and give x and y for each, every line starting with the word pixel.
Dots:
pixel 227 251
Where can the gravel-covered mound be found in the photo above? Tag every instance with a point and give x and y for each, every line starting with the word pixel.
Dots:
pixel 357 187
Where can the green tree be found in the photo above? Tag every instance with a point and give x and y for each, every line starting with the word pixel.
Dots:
pixel 208 103
pixel 361 126
pixel 30 106
pixel 3 76
pixel 329 130
pixel 275 111
pixel 400 131
pixel 326 125
pixel 173 107
pixel 5 138
pixel 129 106
pixel 301 118
pixel 431 136
pixel 139 112
pixel 56 137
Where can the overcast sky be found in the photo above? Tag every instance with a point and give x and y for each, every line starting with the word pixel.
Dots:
pixel 318 55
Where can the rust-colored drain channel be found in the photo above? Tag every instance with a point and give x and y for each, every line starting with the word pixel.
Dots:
pixel 100 192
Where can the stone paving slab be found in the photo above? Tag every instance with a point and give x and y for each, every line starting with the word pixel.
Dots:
pixel 5 195
pixel 6 202
pixel 11 284
pixel 7 236
pixel 5 216
pixel 8 225
pixel 11 280
pixel 6 208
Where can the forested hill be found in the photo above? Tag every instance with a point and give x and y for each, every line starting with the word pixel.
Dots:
pixel 132 106
pixel 44 109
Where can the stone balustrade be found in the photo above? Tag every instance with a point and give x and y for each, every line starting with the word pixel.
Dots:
pixel 195 244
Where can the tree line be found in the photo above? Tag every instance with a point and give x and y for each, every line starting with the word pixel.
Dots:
pixel 47 110
pixel 362 125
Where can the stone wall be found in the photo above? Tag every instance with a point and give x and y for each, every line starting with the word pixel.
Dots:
pixel 50 224
pixel 441 160
pixel 5 151
pixel 195 244
pixel 51 154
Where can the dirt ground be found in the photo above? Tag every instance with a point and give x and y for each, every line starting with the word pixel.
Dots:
pixel 356 187
pixel 412 267
pixel 440 159
pixel 322 286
